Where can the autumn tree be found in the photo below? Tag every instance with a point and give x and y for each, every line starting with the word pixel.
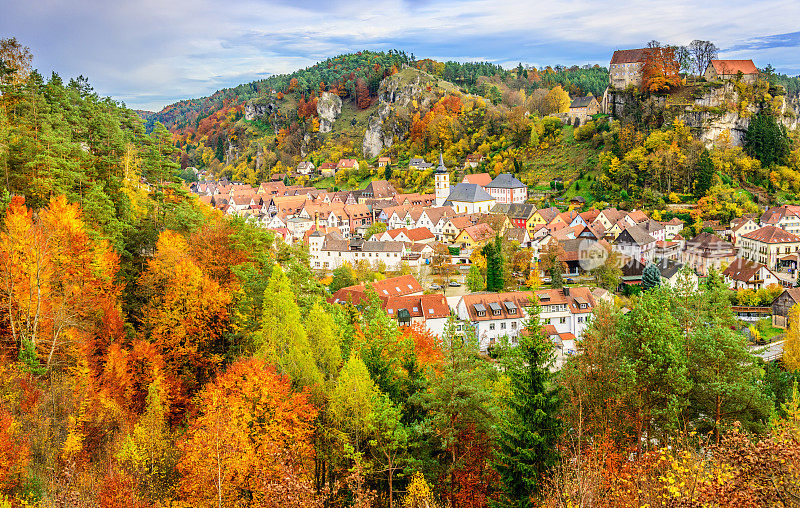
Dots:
pixel 791 345
pixel 530 428
pixel 14 453
pixel 552 261
pixel 660 71
pixel 58 284
pixel 702 52
pixel 186 315
pixel 250 443
pixel 362 94
pixel 148 453
pixel 15 61
pixel 282 338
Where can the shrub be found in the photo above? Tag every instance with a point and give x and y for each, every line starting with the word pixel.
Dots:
pixel 586 131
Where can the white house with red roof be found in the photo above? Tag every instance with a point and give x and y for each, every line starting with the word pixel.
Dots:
pixel 744 274
pixel 767 245
pixel 495 315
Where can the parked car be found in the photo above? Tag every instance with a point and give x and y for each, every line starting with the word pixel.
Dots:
pixel 436 287
pixel 570 281
pixel 454 284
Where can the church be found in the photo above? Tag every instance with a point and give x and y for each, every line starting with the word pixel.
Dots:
pixel 464 197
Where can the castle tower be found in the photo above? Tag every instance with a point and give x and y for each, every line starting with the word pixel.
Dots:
pixel 442 178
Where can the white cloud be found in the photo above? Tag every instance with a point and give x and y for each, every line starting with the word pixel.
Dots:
pixel 151 52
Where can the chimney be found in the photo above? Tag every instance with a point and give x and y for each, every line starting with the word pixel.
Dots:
pixel 316 220
pixel 566 291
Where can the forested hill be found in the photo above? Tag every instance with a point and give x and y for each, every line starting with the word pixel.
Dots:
pixel 344 73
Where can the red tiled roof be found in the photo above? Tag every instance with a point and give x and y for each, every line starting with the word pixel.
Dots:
pixel 742 270
pixel 771 234
pixel 628 56
pixel 419 234
pixel 479 232
pixel 734 66
pixel 393 286
pixel 433 306
pixel 482 179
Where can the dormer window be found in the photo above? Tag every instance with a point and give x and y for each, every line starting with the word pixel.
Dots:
pixel 480 310
pixel 496 309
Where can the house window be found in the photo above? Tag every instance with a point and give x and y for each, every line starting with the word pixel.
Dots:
pixel 502 326
pixel 491 326
pixel 562 320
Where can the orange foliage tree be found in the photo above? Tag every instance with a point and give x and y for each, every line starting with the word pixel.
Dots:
pixel 250 444
pixel 14 453
pixel 186 315
pixel 660 72
pixel 57 283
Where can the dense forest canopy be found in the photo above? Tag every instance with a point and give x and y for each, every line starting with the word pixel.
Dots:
pixel 154 352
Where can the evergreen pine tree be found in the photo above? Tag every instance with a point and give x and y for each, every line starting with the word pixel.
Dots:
pixel 530 429
pixel 651 277
pixel 705 174
pixel 493 252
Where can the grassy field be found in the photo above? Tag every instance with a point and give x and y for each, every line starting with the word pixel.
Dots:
pixel 566 160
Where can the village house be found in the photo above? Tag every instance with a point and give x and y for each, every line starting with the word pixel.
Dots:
pixel 635 243
pixel 476 235
pixel 520 215
pixel 731 69
pixel 469 198
pixel 744 274
pixel 626 68
pixel 786 217
pixel 384 161
pixel 378 189
pixel 672 227
pixel 391 287
pixel 506 189
pixel 495 315
pixel 582 109
pixel 328 252
pixel 482 179
pixel 782 305
pixel 453 227
pixel 740 227
pixel 767 244
pixel 305 167
pixel 327 169
pixel 429 311
pixel 419 164
pixel 672 272
pixel 707 250
pixel 347 164
pixel 473 160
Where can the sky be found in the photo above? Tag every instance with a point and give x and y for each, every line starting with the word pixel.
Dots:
pixel 150 53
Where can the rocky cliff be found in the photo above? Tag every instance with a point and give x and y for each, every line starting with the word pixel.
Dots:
pixel 710 110
pixel 258 108
pixel 329 106
pixel 398 96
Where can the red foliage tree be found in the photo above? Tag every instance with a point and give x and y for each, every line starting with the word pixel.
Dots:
pixel 363 99
pixel 661 69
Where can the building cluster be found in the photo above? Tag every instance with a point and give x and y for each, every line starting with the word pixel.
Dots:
pixel 627 66
pixel 564 313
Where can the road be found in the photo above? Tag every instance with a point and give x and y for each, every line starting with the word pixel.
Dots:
pixel 770 352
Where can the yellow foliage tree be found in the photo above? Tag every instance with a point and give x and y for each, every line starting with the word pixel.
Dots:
pixel 791 345
pixel 419 493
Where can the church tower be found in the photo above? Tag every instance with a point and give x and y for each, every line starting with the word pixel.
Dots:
pixel 442 178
